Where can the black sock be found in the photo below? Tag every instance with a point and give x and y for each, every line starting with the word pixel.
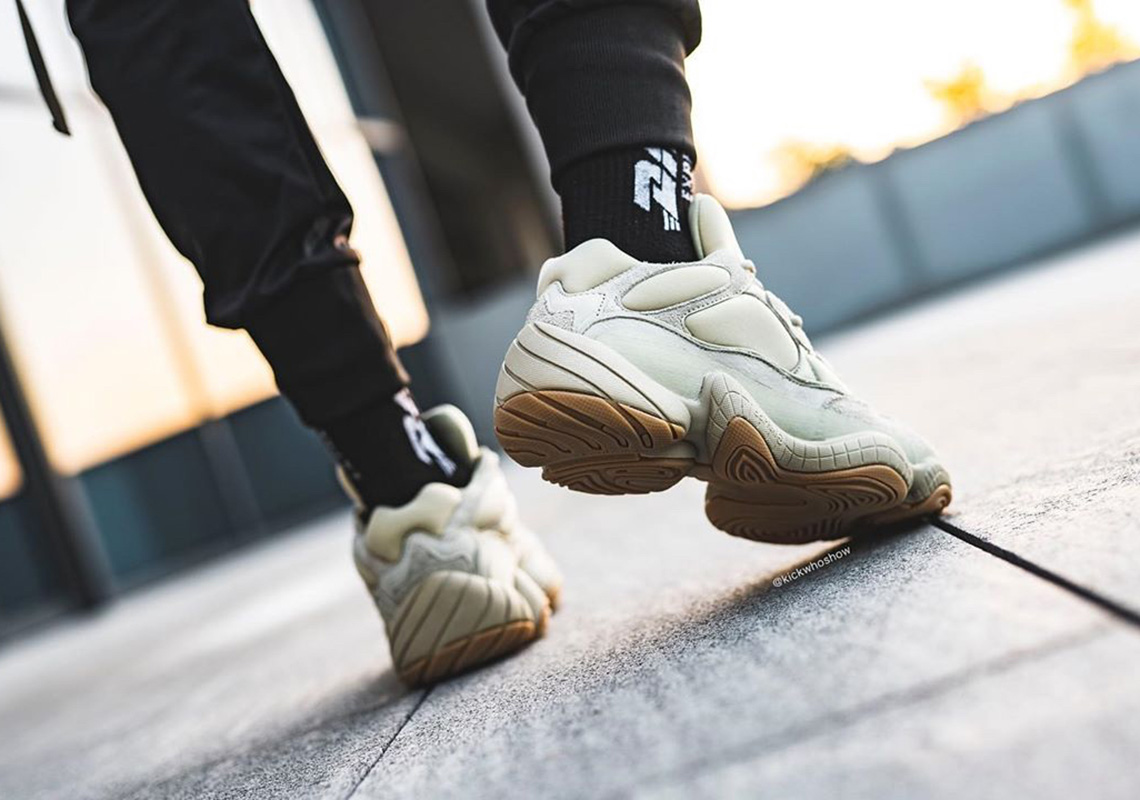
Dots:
pixel 389 454
pixel 637 198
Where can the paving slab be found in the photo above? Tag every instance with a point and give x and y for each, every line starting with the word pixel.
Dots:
pixel 276 656
pixel 1030 388
pixel 676 657
pixel 278 643
pixel 1059 724
pixel 268 673
pixel 328 760
pixel 671 665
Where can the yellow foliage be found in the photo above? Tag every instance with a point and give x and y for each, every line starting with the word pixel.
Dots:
pixel 1096 44
pixel 965 97
pixel 801 162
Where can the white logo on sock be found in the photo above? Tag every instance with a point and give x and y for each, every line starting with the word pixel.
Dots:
pixel 426 448
pixel 655 181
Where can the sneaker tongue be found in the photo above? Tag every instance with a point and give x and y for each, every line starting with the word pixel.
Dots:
pixel 454 432
pixel 712 229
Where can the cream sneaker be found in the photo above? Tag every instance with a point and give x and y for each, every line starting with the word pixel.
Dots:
pixel 457 578
pixel 629 376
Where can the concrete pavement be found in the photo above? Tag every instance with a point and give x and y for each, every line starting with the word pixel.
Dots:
pixel 999 661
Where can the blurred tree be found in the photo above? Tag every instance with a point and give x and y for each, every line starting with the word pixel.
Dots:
pixel 1095 44
pixel 965 97
pixel 801 162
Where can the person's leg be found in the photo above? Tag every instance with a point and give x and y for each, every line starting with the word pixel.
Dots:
pixel 629 374
pixel 605 85
pixel 235 178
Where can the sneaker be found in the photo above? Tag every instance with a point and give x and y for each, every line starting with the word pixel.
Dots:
pixel 629 376
pixel 457 578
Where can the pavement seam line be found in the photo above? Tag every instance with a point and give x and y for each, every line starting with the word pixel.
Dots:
pixel 139 790
pixel 388 744
pixel 1088 595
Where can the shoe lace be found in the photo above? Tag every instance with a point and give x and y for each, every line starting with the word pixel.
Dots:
pixel 793 319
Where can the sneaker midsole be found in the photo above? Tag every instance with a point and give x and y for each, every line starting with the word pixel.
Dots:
pixel 545 358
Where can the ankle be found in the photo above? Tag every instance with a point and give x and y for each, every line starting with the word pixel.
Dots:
pixel 637 198
pixel 388 454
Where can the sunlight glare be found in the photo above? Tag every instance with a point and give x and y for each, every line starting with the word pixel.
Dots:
pixel 858 76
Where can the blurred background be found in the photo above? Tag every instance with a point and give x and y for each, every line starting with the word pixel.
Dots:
pixel 887 150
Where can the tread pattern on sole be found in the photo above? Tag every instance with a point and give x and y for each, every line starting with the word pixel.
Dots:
pixel 751 496
pixel 456 621
pixel 932 505
pixel 469 652
pixel 590 444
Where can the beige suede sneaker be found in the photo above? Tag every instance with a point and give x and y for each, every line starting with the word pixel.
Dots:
pixel 457 578
pixel 629 376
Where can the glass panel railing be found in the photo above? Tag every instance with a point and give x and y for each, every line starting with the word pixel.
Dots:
pixel 104 316
pixel 104 321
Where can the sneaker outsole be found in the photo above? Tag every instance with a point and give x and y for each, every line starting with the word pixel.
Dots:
pixel 595 445
pixel 590 444
pixel 456 621
pixel 751 496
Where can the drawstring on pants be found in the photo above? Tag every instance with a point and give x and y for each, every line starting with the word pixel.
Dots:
pixel 58 120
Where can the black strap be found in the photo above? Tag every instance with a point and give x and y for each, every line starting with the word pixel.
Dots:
pixel 58 120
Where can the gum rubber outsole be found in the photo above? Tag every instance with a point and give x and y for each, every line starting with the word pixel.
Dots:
pixel 595 445
pixel 469 652
pixel 454 622
pixel 590 444
pixel 752 497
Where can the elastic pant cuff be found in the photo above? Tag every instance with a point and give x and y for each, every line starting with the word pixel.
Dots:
pixel 606 78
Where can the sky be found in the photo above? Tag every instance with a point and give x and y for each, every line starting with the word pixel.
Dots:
pixel 855 74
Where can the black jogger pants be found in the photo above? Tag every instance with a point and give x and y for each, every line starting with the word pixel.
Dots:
pixel 234 176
